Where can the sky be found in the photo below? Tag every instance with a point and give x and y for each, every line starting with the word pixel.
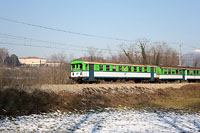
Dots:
pixel 172 21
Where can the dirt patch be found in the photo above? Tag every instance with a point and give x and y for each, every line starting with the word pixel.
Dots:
pixel 36 99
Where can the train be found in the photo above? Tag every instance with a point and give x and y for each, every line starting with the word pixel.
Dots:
pixel 90 71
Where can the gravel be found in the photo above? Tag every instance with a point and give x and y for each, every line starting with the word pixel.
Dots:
pixel 78 88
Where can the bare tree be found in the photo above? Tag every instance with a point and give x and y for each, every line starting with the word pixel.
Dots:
pixel 94 55
pixel 91 53
pixel 112 57
pixel 144 57
pixel 196 62
pixel 128 56
pixel 3 54
pixel 58 57
pixel 130 53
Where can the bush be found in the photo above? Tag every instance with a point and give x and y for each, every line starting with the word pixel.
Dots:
pixel 20 76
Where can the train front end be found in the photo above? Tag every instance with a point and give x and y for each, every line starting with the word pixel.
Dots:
pixel 77 70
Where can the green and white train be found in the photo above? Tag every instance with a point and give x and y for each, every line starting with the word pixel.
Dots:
pixel 87 71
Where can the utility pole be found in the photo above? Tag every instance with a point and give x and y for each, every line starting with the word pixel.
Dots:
pixel 180 64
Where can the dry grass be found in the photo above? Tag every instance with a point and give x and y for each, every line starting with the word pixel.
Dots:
pixel 22 76
pixel 187 97
pixel 18 101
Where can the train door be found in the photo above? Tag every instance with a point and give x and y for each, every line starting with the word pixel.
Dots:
pixel 184 74
pixel 152 74
pixel 91 72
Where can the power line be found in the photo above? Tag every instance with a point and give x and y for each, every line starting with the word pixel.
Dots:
pixel 39 46
pixel 50 42
pixel 66 31
pixel 64 44
pixel 78 33
pixel 187 45
pixel 183 44
pixel 8 43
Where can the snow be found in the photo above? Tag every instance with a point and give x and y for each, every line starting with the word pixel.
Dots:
pixel 197 51
pixel 106 121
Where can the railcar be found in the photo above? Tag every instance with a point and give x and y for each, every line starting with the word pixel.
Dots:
pixel 88 71
pixel 179 73
pixel 93 71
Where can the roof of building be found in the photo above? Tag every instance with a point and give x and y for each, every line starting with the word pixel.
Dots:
pixel 31 57
pixel 53 62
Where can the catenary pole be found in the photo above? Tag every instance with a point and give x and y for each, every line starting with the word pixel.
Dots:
pixel 180 63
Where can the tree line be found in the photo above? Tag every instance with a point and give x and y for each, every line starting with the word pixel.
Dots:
pixel 138 53
pixel 8 60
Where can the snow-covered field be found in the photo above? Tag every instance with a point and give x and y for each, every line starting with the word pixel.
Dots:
pixel 107 121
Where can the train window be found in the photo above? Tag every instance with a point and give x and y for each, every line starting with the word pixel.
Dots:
pixel 180 71
pixel 191 72
pixel 114 68
pixel 125 68
pixel 165 71
pixel 135 69
pixel 176 71
pixel 173 71
pixel 145 69
pixel 86 66
pixel 140 69
pixel 101 67
pixel 81 66
pixel 129 68
pixel 77 65
pixel 120 68
pixel 169 71
pixel 107 68
pixel 188 72
pixel 73 67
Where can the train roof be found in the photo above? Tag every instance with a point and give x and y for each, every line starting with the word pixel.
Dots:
pixel 109 63
pixel 126 64
pixel 180 67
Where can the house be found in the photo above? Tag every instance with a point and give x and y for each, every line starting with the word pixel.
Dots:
pixel 32 61
pixel 53 64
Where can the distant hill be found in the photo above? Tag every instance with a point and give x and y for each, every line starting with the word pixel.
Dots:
pixel 191 59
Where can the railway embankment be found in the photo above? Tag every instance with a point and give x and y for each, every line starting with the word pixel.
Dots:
pixel 79 97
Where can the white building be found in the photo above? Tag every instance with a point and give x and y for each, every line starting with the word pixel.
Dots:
pixel 53 64
pixel 32 61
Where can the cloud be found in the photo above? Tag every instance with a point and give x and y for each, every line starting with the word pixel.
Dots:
pixel 197 51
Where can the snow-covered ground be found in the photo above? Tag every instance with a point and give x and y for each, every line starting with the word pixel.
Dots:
pixel 107 121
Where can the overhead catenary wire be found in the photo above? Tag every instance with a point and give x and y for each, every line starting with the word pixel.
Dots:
pixel 78 46
pixel 50 47
pixel 30 45
pixel 83 34
pixel 31 39
pixel 50 42
pixel 66 31
pixel 39 46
